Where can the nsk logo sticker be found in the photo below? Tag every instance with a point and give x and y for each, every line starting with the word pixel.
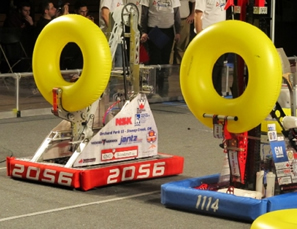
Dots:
pixel 123 121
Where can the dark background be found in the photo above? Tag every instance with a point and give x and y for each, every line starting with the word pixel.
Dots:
pixel 285 19
pixel 286 26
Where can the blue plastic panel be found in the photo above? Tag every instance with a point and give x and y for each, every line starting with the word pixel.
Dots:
pixel 283 201
pixel 183 195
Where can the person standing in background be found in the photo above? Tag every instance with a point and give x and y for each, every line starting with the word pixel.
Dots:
pixel 106 8
pixel 164 15
pixel 48 12
pixel 187 18
pixel 81 8
pixel 208 13
pixel 71 56
pixel 22 19
pixel 160 26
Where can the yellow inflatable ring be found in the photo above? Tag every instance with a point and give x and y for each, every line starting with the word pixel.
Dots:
pixel 280 219
pixel 96 55
pixel 265 74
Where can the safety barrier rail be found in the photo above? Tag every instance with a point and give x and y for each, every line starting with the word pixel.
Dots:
pixel 10 86
pixel 19 96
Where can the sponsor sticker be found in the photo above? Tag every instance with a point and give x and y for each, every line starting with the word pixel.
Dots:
pixel 119 153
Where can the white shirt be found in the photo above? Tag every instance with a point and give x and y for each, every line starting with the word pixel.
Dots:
pixel 213 11
pixel 184 9
pixel 160 12
pixel 111 4
pixel 136 2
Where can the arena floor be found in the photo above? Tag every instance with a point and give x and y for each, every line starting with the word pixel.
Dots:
pixel 126 205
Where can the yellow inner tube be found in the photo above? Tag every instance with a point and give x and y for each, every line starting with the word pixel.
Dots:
pixel 281 219
pixel 264 82
pixel 96 55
